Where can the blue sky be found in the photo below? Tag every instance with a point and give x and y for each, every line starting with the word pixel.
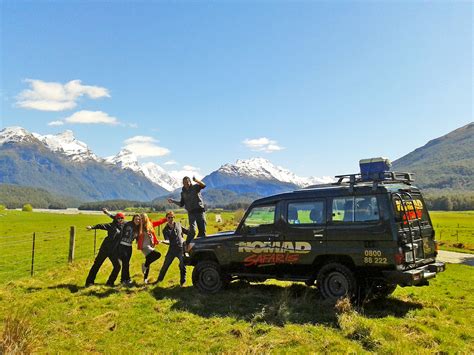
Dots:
pixel 312 86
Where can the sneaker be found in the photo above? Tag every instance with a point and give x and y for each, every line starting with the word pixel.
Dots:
pixel 127 283
pixel 145 281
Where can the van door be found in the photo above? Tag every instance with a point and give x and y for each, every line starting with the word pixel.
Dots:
pixel 304 235
pixel 357 230
pixel 252 248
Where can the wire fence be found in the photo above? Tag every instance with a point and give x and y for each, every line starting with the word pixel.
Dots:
pixel 26 254
pixel 29 254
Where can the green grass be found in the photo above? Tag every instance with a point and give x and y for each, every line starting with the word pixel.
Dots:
pixel 52 311
pixel 52 238
pixel 62 316
pixel 454 230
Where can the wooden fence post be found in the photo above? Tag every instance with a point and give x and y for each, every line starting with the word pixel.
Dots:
pixel 72 243
pixel 33 255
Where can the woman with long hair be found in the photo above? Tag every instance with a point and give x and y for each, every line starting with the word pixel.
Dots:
pixel 147 241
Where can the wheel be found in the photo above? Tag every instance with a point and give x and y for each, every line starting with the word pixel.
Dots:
pixel 336 281
pixel 207 277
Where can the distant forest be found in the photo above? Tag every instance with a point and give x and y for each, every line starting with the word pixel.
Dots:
pixel 14 196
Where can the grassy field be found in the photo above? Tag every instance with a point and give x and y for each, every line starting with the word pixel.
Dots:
pixel 52 238
pixel 54 313
pixel 454 230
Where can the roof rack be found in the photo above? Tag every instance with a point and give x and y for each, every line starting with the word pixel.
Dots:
pixel 385 177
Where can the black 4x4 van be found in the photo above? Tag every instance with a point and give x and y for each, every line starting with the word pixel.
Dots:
pixel 355 237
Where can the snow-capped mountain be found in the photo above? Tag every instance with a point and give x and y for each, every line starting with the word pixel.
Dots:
pixel 66 144
pixel 256 175
pixel 259 168
pixel 16 135
pixel 62 165
pixel 159 176
pixel 125 159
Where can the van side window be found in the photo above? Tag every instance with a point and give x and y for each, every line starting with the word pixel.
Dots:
pixel 355 209
pixel 260 219
pixel 308 212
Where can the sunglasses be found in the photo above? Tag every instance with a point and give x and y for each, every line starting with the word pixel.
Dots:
pixel 170 217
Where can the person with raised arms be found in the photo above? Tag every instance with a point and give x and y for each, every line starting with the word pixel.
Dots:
pixel 108 249
pixel 192 201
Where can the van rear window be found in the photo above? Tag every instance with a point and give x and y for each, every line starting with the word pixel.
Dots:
pixel 409 208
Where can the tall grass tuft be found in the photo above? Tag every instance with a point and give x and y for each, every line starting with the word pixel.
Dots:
pixel 17 337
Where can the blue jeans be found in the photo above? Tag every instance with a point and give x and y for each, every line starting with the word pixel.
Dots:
pixel 170 256
pixel 196 219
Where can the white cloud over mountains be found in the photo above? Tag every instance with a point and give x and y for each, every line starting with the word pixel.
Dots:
pixel 145 147
pixel 262 145
pixel 90 117
pixel 53 96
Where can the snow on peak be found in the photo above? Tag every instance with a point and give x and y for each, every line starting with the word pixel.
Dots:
pixel 65 143
pixel 159 176
pixel 125 159
pixel 260 168
pixel 15 134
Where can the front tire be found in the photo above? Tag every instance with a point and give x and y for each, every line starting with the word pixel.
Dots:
pixel 207 277
pixel 336 281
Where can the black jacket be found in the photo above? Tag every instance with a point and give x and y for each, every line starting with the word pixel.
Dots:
pixel 191 199
pixel 128 233
pixel 175 235
pixel 114 231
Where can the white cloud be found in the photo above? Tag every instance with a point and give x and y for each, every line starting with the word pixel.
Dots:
pixel 145 147
pixel 262 145
pixel 55 123
pixel 91 117
pixel 171 162
pixel 53 96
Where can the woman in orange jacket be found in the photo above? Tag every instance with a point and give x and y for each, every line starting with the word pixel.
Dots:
pixel 146 242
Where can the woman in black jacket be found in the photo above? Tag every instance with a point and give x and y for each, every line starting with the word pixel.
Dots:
pixel 129 234
pixel 108 249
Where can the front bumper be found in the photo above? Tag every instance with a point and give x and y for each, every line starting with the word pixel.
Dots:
pixel 415 277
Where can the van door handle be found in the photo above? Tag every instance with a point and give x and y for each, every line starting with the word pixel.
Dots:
pixel 318 233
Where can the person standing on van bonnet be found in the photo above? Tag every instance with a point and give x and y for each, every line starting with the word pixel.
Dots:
pixel 146 242
pixel 108 249
pixel 191 199
pixel 173 232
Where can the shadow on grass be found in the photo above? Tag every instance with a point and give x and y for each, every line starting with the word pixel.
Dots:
pixel 273 304
pixel 100 292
